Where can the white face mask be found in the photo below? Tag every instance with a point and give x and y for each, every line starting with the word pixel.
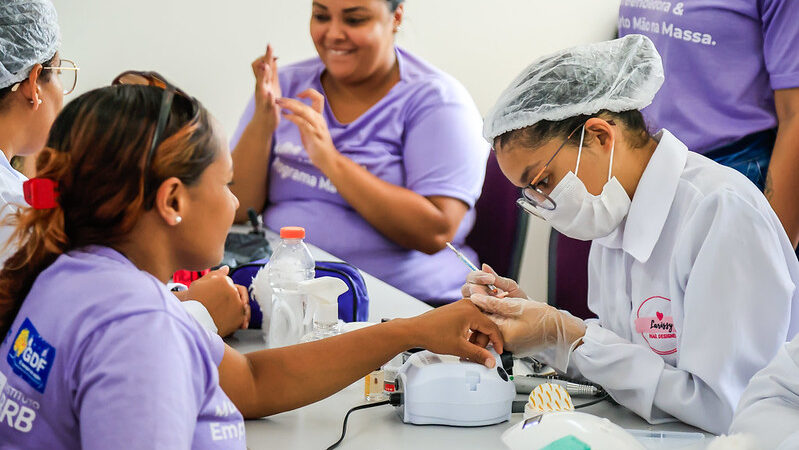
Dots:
pixel 583 216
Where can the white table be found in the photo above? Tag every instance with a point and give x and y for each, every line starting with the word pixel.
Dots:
pixel 318 425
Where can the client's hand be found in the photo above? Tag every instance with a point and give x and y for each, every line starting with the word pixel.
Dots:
pixel 227 303
pixel 445 330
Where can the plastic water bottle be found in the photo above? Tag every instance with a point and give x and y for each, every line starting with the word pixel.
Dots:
pixel 290 264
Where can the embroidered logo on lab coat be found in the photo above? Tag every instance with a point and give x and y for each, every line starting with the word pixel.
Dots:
pixel 656 325
pixel 31 357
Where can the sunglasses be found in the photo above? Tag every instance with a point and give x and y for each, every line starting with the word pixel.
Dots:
pixel 132 77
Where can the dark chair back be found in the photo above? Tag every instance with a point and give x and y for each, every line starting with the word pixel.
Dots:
pixel 568 274
pixel 500 226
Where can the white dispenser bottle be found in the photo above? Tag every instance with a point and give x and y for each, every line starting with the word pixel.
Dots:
pixel 324 292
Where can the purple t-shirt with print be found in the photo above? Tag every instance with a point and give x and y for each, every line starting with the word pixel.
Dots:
pixel 723 59
pixel 423 135
pixel 102 355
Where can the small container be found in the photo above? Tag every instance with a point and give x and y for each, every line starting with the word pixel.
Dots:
pixel 373 386
pixel 390 371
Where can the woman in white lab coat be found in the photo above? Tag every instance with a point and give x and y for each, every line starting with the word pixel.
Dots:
pixel 31 92
pixel 691 274
pixel 769 408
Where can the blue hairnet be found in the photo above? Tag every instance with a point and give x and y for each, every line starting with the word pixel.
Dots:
pixel 29 35
pixel 619 75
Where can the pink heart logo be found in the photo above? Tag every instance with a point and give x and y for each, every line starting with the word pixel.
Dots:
pixel 660 315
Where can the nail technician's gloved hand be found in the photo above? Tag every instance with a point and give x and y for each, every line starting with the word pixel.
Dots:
pixel 531 328
pixel 477 283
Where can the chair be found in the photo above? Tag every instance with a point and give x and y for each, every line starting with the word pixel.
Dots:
pixel 568 274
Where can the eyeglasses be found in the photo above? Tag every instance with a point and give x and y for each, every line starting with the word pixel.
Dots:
pixel 154 79
pixel 532 194
pixel 67 72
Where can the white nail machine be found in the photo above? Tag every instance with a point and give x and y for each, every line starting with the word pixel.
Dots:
pixel 444 390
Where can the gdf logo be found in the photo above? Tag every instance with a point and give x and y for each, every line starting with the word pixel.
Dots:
pixel 31 357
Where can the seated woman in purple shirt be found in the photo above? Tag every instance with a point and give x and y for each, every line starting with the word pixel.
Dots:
pixel 96 352
pixel 382 168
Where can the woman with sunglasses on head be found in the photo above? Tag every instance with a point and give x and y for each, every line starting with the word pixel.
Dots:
pixel 96 351
pixel 33 82
pixel 380 159
pixel 691 275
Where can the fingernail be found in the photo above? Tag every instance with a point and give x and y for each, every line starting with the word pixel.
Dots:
pixel 491 363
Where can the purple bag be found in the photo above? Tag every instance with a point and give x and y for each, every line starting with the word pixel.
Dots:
pixel 353 305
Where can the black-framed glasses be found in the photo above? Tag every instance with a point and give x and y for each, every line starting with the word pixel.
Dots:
pixel 155 79
pixel 67 72
pixel 534 195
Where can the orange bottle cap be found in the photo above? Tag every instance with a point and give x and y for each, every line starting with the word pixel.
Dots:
pixel 292 233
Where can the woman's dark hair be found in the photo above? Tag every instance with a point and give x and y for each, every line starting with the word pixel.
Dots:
pixel 635 129
pixel 45 76
pixel 392 4
pixel 96 153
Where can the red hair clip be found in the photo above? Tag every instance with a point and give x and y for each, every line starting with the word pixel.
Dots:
pixel 41 193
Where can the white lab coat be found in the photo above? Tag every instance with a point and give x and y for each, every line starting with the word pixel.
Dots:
pixel 769 408
pixel 695 292
pixel 11 196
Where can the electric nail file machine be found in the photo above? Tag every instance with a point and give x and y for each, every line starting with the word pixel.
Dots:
pixel 444 390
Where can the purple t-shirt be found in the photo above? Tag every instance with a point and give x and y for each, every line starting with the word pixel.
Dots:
pixel 423 135
pixel 723 59
pixel 102 356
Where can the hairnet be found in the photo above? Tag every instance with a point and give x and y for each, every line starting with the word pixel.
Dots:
pixel 29 35
pixel 619 75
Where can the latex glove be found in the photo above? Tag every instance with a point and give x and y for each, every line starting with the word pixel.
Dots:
pixel 444 330
pixel 226 302
pixel 531 328
pixel 477 281
pixel 267 90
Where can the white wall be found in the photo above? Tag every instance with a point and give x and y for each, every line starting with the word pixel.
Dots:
pixel 206 47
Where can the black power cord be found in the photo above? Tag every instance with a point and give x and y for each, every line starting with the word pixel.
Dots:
pixel 592 402
pixel 344 428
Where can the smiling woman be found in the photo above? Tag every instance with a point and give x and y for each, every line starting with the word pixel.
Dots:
pixel 380 159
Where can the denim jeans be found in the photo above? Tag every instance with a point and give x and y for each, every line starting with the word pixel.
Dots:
pixel 750 155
